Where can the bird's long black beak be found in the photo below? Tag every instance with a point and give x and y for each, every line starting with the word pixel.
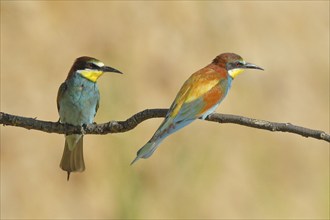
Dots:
pixel 110 69
pixel 252 66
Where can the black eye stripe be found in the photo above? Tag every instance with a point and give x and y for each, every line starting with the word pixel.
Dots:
pixel 234 65
pixel 92 66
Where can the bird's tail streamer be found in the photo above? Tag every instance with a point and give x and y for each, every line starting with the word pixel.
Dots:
pixel 147 150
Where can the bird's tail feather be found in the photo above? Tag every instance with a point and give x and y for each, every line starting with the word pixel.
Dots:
pixel 73 160
pixel 147 150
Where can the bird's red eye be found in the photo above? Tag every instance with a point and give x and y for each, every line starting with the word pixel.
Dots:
pixel 90 66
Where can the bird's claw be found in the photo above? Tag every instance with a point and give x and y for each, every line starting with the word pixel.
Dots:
pixel 83 128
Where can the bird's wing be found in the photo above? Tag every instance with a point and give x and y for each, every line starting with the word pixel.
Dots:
pixel 196 108
pixel 60 93
pixel 97 103
pixel 198 94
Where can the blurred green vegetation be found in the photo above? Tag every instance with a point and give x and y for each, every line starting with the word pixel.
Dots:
pixel 207 170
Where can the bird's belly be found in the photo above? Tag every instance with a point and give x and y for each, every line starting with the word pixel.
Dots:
pixel 79 107
pixel 210 111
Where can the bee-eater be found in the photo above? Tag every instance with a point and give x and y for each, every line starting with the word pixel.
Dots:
pixel 199 96
pixel 77 103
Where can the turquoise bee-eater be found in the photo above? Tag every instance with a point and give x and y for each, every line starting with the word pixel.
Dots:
pixel 199 96
pixel 77 103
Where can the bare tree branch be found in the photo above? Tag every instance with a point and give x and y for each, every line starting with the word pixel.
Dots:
pixel 132 122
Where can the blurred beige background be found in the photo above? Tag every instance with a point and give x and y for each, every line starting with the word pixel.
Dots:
pixel 206 170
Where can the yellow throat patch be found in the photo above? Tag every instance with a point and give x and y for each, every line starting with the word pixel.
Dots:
pixel 235 72
pixel 91 75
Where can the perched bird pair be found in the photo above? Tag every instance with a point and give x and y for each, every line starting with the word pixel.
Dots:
pixel 200 95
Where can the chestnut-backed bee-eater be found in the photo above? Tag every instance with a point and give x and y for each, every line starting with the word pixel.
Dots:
pixel 199 96
pixel 77 103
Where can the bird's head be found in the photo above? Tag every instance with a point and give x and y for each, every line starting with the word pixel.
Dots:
pixel 234 64
pixel 90 68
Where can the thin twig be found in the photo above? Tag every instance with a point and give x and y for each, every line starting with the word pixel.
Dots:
pixel 132 122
